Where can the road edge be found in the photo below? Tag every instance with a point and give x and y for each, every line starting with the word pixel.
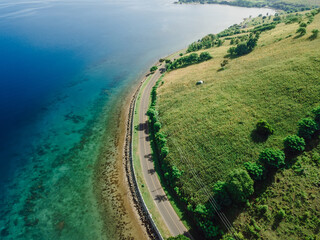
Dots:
pixel 137 198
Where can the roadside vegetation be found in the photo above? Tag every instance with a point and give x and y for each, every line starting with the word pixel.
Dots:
pixel 246 142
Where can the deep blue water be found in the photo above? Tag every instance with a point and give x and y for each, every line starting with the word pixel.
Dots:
pixel 62 65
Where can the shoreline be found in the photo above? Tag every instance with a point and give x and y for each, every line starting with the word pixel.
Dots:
pixel 115 188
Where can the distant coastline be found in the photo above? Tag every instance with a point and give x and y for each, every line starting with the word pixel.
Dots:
pixel 277 5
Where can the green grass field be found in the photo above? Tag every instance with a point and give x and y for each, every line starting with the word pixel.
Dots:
pixel 210 127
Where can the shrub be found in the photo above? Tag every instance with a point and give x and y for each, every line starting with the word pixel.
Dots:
pixel 264 128
pixel 153 68
pixel 272 157
pixel 294 144
pixel 255 170
pixel 277 18
pixel 306 128
pixel 224 63
pixel 239 185
pixel 316 112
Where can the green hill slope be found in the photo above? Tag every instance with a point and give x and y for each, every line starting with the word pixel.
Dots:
pixel 210 127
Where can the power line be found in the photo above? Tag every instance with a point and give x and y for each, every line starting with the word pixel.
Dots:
pixel 211 199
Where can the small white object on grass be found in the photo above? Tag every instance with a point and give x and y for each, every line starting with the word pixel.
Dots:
pixel 199 82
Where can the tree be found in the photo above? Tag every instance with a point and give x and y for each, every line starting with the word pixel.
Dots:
pixel 153 69
pixel 244 47
pixel 220 194
pixel 179 237
pixel 264 128
pixel 314 34
pixel 294 144
pixel 201 211
pixel 255 170
pixel 302 31
pixel 210 230
pixel 316 112
pixel 157 126
pixel 176 173
pixel 306 128
pixel 272 157
pixel 239 185
pixel 204 56
pixel 303 24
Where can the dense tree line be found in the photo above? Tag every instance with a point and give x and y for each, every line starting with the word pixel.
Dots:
pixel 206 42
pixel 170 172
pixel 190 59
pixel 244 47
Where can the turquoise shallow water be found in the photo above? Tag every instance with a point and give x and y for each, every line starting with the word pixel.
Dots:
pixel 64 68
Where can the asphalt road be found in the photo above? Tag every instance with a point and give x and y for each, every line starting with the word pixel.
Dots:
pixel 168 214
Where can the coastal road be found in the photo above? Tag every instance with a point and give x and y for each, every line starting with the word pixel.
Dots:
pixel 168 214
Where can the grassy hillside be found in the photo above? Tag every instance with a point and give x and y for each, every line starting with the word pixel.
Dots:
pixel 210 127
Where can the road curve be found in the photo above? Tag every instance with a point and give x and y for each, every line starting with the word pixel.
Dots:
pixel 167 212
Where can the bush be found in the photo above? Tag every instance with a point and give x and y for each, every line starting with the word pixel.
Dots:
pixel 307 128
pixel 224 63
pixel 239 185
pixel 255 170
pixel 264 128
pixel 294 144
pixel 272 157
